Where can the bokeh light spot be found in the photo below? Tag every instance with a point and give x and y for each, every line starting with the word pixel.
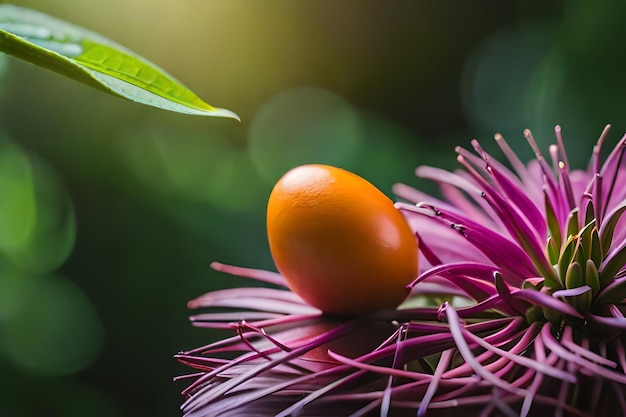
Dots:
pixel 551 101
pixel 388 153
pixel 305 125
pixel 55 330
pixel 498 75
pixel 192 168
pixel 37 225
pixel 14 293
pixel 17 200
pixel 4 66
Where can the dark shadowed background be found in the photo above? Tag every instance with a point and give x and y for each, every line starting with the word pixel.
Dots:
pixel 111 212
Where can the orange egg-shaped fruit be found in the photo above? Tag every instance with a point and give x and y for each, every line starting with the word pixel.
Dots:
pixel 339 241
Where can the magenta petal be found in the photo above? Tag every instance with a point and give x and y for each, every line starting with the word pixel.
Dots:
pixel 514 262
pixel 464 350
pixel 522 360
pixel 208 299
pixel 546 300
pixel 612 322
pixel 480 271
pixel 572 292
pixel 258 274
pixel 444 361
pixel 552 344
pixel 535 218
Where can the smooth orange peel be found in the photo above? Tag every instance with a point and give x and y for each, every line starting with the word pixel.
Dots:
pixel 339 241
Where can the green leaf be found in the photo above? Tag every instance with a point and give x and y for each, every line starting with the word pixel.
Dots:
pixel 568 253
pixel 615 292
pixel 612 265
pixel 608 228
pixel 572 223
pixel 592 278
pixel 586 239
pixel 596 249
pixel 94 60
pixel 553 224
pixel 552 250
pixel 589 213
pixel 574 276
pixel 582 302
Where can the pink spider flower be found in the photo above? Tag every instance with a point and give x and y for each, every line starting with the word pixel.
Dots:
pixel 518 309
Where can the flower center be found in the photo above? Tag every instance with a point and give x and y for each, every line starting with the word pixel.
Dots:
pixel 587 269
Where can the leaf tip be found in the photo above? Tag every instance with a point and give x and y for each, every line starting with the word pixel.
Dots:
pixel 225 113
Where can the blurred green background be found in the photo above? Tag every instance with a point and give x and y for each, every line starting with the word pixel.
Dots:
pixel 111 212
